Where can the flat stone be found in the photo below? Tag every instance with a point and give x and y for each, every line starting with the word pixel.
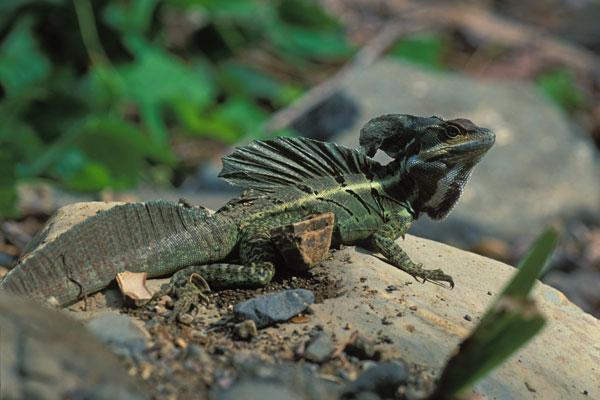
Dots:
pixel 120 333
pixel 540 167
pixel 46 355
pixel 276 307
pixel 432 323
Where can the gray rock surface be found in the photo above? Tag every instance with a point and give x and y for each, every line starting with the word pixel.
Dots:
pixel 320 348
pixel 539 167
pixel 276 307
pixel 258 381
pixel 46 355
pixel 383 379
pixel 120 332
pixel 426 322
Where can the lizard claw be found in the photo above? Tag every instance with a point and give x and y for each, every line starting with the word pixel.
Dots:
pixel 435 276
pixel 188 292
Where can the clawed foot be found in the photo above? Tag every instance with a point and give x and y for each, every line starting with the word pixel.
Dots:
pixel 188 291
pixel 436 276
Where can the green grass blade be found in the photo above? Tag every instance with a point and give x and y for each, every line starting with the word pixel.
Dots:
pixel 507 325
pixel 532 265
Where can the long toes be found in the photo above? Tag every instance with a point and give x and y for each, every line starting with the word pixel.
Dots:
pixel 439 276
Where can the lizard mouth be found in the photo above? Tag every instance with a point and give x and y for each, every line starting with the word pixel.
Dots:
pixel 478 144
pixel 464 148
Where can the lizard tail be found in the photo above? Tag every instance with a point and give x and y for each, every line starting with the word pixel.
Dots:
pixel 157 237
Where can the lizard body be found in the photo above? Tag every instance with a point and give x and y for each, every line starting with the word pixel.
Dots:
pixel 286 180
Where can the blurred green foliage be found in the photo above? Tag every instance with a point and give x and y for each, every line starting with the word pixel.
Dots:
pixel 423 49
pixel 92 92
pixel 560 87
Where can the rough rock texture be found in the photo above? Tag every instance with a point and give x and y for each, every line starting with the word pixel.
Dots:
pixel 46 355
pixel 539 167
pixel 424 323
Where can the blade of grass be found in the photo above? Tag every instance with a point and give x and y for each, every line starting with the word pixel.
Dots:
pixel 507 325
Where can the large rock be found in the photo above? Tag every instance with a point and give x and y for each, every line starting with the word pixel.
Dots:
pixel 46 355
pixel 540 166
pixel 424 323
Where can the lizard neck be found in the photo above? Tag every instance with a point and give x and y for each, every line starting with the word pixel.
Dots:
pixel 397 184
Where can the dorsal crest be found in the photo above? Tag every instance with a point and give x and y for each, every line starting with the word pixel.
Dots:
pixel 269 164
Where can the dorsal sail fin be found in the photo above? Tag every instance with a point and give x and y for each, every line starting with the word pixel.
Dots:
pixel 268 164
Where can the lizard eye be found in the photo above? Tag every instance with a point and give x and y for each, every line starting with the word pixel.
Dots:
pixel 452 131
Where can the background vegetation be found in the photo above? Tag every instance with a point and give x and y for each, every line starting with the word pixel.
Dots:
pixel 97 95
pixel 92 95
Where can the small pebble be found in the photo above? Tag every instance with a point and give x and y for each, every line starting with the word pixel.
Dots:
pixel 181 343
pixel 320 348
pixel 186 318
pixel 160 309
pixel 391 288
pixel 467 317
pixel 246 330
pixel 412 308
pixel 362 348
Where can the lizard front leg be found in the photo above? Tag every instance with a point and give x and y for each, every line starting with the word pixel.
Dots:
pixel 384 242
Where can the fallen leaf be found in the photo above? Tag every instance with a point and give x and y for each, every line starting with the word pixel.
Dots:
pixel 133 286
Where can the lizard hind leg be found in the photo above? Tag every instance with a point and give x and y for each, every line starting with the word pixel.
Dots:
pixel 191 285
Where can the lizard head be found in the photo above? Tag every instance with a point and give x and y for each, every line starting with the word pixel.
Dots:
pixel 437 155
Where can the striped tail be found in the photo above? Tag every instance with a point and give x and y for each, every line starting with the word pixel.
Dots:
pixel 157 237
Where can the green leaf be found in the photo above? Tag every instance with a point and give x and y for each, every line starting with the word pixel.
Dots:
pixel 8 181
pixel 243 114
pixel 306 13
pixel 308 43
pixel 120 149
pixel 104 87
pixel 244 81
pixel 199 124
pixel 507 325
pixel 157 79
pixel 8 7
pixel 107 151
pixel 223 9
pixel 21 62
pixel 559 86
pixel 423 49
pixel 130 16
pixel 78 172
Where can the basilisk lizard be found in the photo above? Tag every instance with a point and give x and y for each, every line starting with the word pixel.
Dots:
pixel 286 180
